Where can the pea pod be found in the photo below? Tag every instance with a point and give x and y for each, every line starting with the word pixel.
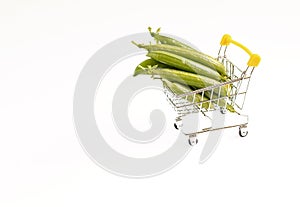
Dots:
pixel 168 40
pixel 185 78
pixel 179 89
pixel 185 64
pixel 189 81
pixel 196 56
pixel 220 100
pixel 149 63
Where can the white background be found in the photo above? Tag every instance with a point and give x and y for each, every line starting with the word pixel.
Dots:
pixel 45 44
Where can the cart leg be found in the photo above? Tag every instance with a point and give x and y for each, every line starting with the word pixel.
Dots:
pixel 193 140
pixel 243 131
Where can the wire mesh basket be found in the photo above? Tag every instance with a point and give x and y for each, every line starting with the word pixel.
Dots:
pixel 232 99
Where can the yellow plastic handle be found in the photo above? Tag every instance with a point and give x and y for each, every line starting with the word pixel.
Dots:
pixel 254 58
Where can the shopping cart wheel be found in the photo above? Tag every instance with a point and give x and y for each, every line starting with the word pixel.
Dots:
pixel 223 110
pixel 177 125
pixel 243 131
pixel 193 141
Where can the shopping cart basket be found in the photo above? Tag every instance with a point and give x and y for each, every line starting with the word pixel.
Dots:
pixel 236 88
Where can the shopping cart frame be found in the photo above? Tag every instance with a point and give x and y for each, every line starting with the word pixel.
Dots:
pixel 237 78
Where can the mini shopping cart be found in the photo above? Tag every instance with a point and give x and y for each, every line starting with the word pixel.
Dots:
pixel 237 88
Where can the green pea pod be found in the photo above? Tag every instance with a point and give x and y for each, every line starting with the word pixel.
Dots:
pixel 185 64
pixel 194 55
pixel 220 100
pixel 193 81
pixel 146 64
pixel 168 40
pixel 185 78
pixel 179 89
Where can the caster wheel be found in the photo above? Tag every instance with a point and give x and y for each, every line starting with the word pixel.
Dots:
pixel 243 131
pixel 177 125
pixel 193 141
pixel 223 110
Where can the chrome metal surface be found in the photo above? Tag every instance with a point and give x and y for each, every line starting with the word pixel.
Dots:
pixel 236 89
